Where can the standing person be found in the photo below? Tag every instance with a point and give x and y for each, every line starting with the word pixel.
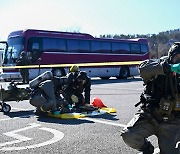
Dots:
pixel 22 61
pixel 159 113
pixel 78 87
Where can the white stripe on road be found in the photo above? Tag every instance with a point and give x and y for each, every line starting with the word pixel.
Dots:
pixel 57 137
pixel 86 118
pixel 19 138
pixel 104 122
pixel 14 108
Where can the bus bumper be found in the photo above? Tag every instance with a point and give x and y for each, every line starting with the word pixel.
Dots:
pixel 10 75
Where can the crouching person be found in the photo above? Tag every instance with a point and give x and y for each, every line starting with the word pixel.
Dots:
pixel 43 95
pixel 77 89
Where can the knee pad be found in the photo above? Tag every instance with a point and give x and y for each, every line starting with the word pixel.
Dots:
pixel 132 139
pixel 38 100
pixel 128 138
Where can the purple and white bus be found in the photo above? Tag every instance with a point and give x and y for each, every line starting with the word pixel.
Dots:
pixel 53 47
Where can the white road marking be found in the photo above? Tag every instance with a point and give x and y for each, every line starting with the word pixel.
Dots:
pixel 21 109
pixel 61 135
pixel 86 118
pixel 19 138
pixel 57 137
pixel 8 119
pixel 104 122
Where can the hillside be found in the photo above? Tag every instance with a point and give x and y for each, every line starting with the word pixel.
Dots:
pixel 159 44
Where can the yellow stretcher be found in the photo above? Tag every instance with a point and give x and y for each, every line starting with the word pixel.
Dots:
pixel 100 111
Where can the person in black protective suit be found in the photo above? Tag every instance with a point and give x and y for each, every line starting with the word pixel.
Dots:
pixel 22 61
pixel 159 113
pixel 77 88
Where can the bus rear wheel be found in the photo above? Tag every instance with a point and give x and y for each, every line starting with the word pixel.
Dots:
pixel 124 72
pixel 58 72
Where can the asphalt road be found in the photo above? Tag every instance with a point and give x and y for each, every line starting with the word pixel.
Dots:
pixel 23 132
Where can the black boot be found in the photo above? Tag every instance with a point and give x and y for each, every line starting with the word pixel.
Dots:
pixel 147 148
pixel 38 112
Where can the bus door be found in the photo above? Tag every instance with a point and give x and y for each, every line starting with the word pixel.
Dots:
pixel 35 52
pixel 35 49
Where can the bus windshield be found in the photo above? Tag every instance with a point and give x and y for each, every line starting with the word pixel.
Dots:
pixel 15 46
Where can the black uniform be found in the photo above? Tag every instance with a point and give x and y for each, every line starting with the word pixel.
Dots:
pixel 158 114
pixel 78 84
pixel 22 61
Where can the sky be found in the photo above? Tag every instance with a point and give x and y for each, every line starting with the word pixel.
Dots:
pixel 95 17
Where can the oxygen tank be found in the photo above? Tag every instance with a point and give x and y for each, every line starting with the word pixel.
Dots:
pixel 36 81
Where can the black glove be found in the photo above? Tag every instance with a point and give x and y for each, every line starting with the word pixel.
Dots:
pixel 166 67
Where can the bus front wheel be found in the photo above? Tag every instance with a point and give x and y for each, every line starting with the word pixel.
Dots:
pixel 124 72
pixel 58 72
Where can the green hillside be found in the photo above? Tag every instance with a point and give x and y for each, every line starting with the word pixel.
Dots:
pixel 159 44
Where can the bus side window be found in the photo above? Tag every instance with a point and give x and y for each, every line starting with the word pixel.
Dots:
pixel 135 48
pixel 73 46
pixel 144 48
pixel 96 46
pixel 54 44
pixel 120 48
pixel 84 46
pixel 101 47
pixel 106 47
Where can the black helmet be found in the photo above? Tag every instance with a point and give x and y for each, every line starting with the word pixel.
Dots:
pixel 175 49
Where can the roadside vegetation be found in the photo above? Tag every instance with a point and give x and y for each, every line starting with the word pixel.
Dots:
pixel 159 44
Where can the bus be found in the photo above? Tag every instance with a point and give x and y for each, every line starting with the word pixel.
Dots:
pixel 44 47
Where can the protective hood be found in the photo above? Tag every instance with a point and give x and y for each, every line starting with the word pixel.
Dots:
pixel 175 49
pixel 82 75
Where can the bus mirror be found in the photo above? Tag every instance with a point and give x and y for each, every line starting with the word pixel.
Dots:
pixel 4 42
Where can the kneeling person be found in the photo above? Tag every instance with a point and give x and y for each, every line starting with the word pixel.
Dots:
pixel 43 97
pixel 77 89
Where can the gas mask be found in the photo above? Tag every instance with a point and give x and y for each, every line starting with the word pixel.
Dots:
pixel 176 58
pixel 81 81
